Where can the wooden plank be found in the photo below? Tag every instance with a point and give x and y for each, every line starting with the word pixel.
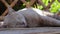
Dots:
pixel 44 33
pixel 38 30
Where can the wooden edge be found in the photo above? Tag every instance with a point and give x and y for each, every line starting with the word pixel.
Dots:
pixel 1 29
pixel 44 33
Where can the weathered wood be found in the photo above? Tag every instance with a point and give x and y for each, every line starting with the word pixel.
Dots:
pixel 12 5
pixel 32 2
pixel 44 33
pixel 41 3
pixel 40 30
pixel 49 5
pixel 28 5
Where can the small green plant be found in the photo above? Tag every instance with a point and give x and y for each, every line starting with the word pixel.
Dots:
pixel 55 7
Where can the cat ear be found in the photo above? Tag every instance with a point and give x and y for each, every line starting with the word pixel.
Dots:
pixel 10 10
